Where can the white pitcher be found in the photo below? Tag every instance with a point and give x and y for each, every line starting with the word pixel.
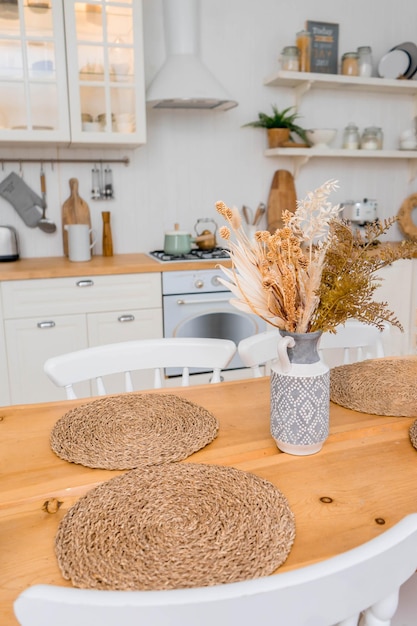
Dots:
pixel 79 244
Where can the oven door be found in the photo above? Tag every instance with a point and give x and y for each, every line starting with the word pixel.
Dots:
pixel 208 315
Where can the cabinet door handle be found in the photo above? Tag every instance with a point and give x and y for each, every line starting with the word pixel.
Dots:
pixel 85 283
pixel 181 301
pixel 126 318
pixel 49 324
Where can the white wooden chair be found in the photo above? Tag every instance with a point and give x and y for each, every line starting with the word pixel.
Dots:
pixel 355 340
pixel 365 579
pixel 258 350
pixel 352 342
pixel 147 354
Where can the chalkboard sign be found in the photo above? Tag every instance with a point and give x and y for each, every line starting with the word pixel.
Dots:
pixel 324 46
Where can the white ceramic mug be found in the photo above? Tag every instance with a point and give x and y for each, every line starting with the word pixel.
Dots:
pixel 79 245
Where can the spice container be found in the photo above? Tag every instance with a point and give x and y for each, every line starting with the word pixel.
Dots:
pixel 95 184
pixel 365 60
pixel 290 59
pixel 304 46
pixel 372 138
pixel 350 64
pixel 351 137
pixel 108 183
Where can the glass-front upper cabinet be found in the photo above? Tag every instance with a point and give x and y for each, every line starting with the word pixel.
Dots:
pixel 33 79
pixel 105 72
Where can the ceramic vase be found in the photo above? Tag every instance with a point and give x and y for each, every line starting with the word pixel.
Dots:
pixel 300 395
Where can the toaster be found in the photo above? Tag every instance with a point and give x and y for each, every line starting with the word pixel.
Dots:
pixel 9 244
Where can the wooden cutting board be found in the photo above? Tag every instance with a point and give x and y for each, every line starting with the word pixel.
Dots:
pixel 75 210
pixel 282 196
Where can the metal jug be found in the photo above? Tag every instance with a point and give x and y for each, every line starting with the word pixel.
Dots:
pixel 201 229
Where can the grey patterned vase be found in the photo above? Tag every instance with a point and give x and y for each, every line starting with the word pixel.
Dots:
pixel 300 395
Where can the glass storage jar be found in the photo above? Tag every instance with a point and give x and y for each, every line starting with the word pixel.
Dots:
pixel 351 137
pixel 350 64
pixel 365 60
pixel 303 41
pixel 290 59
pixel 372 138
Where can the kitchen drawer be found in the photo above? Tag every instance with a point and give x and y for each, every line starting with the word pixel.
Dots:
pixel 83 294
pixel 123 325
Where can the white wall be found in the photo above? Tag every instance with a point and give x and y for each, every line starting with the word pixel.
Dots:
pixel 194 158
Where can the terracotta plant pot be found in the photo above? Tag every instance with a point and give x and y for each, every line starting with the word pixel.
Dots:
pixel 277 137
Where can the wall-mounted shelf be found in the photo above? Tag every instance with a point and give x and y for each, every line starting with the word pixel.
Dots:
pixel 302 82
pixel 303 155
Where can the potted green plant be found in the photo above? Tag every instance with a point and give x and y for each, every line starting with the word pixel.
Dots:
pixel 279 126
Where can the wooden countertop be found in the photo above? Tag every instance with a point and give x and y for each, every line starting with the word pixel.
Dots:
pixel 60 267
pixel 362 482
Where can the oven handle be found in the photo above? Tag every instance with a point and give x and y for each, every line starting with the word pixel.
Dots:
pixel 201 301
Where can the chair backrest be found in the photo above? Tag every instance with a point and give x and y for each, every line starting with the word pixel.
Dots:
pixel 94 363
pixel 356 340
pixel 334 591
pixel 353 341
pixel 258 350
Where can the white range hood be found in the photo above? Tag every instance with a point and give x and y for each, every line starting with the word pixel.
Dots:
pixel 184 82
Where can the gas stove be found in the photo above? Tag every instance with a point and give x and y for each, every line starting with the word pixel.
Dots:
pixel 194 255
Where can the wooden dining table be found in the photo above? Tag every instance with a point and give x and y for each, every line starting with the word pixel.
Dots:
pixel 362 482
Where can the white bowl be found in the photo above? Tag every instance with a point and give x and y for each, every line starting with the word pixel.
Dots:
pixel 321 137
pixel 91 127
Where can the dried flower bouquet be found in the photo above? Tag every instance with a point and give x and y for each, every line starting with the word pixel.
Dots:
pixel 312 274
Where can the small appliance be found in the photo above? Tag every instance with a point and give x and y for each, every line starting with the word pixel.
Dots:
pixel 9 244
pixel 359 213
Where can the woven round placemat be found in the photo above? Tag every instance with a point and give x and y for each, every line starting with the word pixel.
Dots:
pixel 413 434
pixel 132 430
pixel 174 526
pixel 385 386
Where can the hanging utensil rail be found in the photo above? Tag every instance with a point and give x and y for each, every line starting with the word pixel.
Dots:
pixel 124 160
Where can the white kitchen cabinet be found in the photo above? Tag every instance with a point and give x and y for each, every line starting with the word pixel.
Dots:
pixel 47 317
pixel 105 72
pixel 125 326
pixel 30 341
pixel 4 372
pixel 33 82
pixel 72 73
pixel 397 288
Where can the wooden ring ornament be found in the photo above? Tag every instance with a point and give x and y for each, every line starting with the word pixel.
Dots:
pixel 405 220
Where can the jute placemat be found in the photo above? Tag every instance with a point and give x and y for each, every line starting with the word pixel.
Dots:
pixel 386 386
pixel 174 526
pixel 413 434
pixel 132 430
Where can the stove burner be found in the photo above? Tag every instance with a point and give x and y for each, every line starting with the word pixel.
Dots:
pixel 193 255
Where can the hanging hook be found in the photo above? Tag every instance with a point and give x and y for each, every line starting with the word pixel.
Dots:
pixel 20 169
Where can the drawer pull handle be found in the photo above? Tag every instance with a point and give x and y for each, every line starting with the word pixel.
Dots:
pixel 181 301
pixel 126 318
pixel 85 283
pixel 50 324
